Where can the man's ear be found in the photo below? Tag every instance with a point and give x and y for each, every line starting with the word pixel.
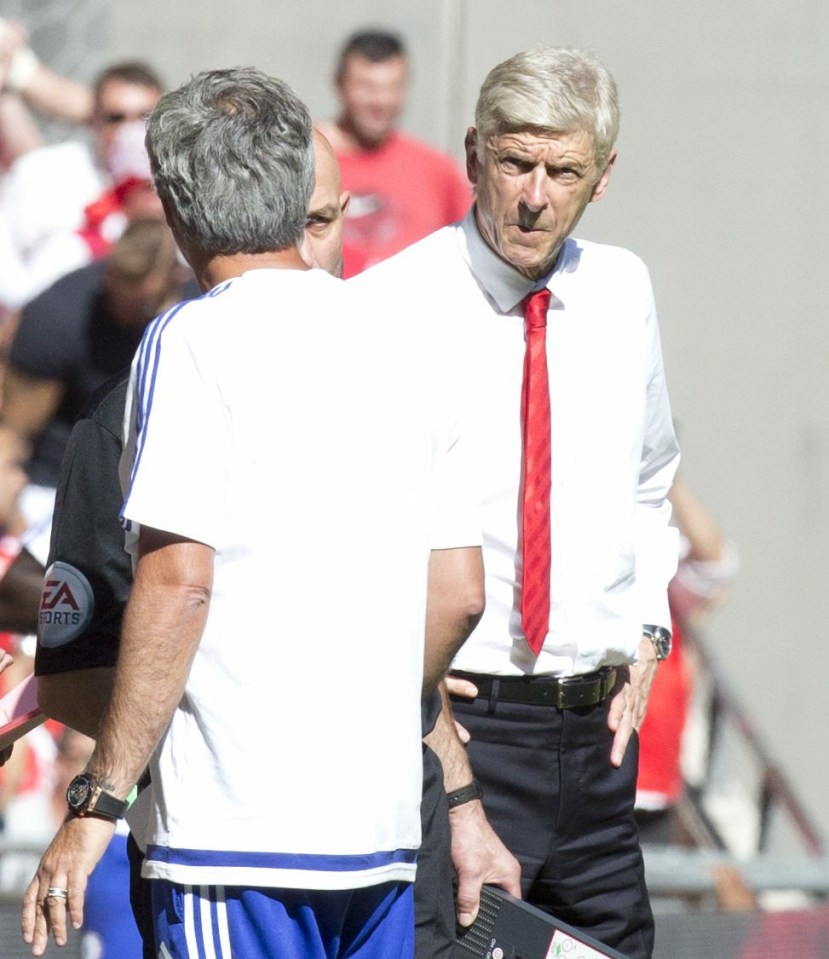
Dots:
pixel 470 144
pixel 171 222
pixel 604 179
pixel 345 199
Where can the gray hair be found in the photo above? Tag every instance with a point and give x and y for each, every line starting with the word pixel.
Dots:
pixel 233 162
pixel 550 88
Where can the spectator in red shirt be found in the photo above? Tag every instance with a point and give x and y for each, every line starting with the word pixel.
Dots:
pixel 401 189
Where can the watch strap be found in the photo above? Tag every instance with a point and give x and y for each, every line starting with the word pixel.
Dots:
pixel 106 805
pixel 465 794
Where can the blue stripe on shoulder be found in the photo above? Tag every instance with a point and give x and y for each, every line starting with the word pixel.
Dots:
pixel 149 349
pixel 217 289
pixel 147 369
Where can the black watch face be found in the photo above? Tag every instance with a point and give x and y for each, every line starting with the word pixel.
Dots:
pixel 79 791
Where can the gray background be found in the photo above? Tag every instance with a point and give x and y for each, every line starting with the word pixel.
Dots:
pixel 719 187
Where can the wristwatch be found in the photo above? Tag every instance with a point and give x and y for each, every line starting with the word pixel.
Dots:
pixel 661 639
pixel 85 797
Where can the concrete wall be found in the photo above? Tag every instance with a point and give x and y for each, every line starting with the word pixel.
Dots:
pixel 719 187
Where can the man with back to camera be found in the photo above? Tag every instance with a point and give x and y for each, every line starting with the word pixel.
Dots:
pixel 401 188
pixel 89 572
pixel 574 453
pixel 190 355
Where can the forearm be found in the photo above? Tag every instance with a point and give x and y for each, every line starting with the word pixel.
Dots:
pixel 705 539
pixel 44 90
pixel 163 624
pixel 478 855
pixel 57 96
pixel 444 741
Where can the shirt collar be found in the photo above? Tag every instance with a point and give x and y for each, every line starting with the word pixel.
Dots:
pixel 503 283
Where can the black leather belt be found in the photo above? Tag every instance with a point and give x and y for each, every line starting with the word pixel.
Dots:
pixel 587 690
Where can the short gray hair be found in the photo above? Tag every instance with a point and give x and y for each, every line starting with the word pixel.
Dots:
pixel 550 88
pixel 233 161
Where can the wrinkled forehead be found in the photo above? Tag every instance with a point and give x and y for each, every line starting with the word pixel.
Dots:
pixel 578 140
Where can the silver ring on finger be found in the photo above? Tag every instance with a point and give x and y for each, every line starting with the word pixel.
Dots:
pixel 55 892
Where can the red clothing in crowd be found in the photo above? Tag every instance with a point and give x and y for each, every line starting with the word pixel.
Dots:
pixel 400 192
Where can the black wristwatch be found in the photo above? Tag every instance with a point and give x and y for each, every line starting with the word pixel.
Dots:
pixel 661 639
pixel 85 797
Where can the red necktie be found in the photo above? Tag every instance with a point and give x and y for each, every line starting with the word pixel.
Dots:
pixel 535 505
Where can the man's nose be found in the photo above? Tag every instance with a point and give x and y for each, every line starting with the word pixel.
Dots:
pixel 535 194
pixel 384 99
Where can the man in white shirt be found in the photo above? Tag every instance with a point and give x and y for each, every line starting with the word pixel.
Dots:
pixel 269 486
pixel 554 680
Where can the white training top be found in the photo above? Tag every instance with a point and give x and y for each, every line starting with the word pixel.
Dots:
pixel 283 424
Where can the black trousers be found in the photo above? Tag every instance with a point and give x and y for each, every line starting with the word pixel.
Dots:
pixel 141 899
pixel 552 795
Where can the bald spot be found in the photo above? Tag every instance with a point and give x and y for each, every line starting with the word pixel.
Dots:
pixel 327 177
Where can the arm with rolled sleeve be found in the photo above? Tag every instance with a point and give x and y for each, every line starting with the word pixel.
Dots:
pixel 656 541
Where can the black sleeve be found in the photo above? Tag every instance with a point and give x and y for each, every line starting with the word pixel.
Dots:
pixel 429 711
pixel 89 573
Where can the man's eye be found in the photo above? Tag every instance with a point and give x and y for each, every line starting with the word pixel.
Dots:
pixel 565 174
pixel 514 164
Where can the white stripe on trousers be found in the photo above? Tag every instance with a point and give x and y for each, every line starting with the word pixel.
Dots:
pixel 207 911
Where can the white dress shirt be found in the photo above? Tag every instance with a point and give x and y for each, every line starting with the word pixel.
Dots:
pixel 614 452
